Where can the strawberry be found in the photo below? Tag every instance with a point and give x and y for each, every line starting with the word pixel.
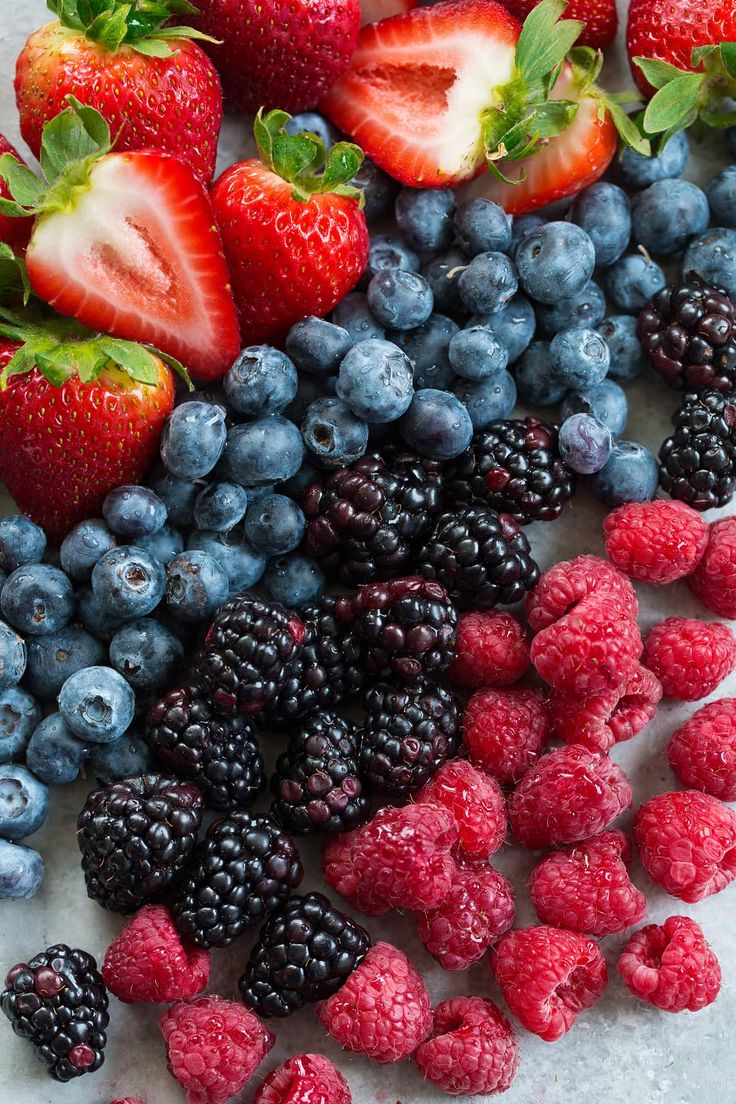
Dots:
pixel 295 238
pixel 155 87
pixel 13 231
pixel 373 11
pixel 278 53
pixel 669 31
pixel 126 243
pixel 599 16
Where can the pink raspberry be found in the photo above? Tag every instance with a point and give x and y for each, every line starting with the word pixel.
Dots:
pixel 504 732
pixel 657 542
pixel 569 582
pixel 587 888
pixel 472 1050
pixel 400 859
pixel 148 962
pixel 383 1010
pixel 305 1079
pixel 671 966
pixel 492 650
pixel 687 843
pixel 690 657
pixel 213 1047
pixel 477 910
pixel 475 801
pixel 548 976
pixel 571 794
pixel 714 580
pixel 609 717
pixel 702 751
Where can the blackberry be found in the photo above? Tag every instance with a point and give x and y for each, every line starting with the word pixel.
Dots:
pixel 136 836
pixel 408 733
pixel 481 559
pixel 689 335
pixel 247 652
pixel 515 467
pixel 406 627
pixel 58 1002
pixel 305 952
pixel 244 869
pixel 191 740
pixel 365 522
pixel 316 783
pixel 698 462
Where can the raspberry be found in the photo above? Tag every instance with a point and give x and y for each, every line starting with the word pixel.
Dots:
pixel 568 582
pixel 571 794
pixel 477 910
pixel 149 963
pixel 609 717
pixel 213 1047
pixel 671 966
pixel 383 1010
pixel 714 580
pixel 657 542
pixel 687 843
pixel 472 1050
pixel 587 888
pixel 128 1100
pixel 305 1079
pixel 702 751
pixel 548 976
pixel 690 657
pixel 492 650
pixel 504 732
pixel 475 801
pixel 401 859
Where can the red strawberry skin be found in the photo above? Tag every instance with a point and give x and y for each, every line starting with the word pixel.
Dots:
pixel 373 11
pixel 670 29
pixel 13 231
pixel 600 18
pixel 170 104
pixel 278 53
pixel 287 259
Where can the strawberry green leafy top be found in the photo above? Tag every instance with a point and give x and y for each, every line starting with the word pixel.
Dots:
pixel 139 24
pixel 302 161
pixel 684 96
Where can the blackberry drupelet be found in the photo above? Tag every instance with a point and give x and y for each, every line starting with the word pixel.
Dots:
pixel 191 740
pixel 698 462
pixel 515 467
pixel 246 654
pixel 58 1001
pixel 482 559
pixel 244 869
pixel 317 785
pixel 408 733
pixel 406 627
pixel 306 951
pixel 689 335
pixel 136 836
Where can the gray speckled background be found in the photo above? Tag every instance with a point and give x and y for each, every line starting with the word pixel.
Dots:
pixel 621 1052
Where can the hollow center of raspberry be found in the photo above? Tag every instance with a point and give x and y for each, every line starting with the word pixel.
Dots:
pixel 574 992
pixel 728 862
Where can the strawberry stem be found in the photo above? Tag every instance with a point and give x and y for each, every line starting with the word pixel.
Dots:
pixel 684 96
pixel 302 160
pixel 138 24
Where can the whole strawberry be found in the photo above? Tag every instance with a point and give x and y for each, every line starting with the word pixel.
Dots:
pixel 295 240
pixel 155 87
pixel 668 31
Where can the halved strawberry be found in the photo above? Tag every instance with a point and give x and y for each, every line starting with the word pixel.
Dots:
pixel 373 11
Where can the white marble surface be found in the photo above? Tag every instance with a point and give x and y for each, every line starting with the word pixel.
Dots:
pixel 621 1052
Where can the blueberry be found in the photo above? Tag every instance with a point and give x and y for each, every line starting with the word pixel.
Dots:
pixel 520 227
pixel 555 261
pixel 436 425
pixel 400 300
pixel 513 325
pixel 261 381
pixel 19 715
pixel 585 443
pixel 163 545
pixel 730 141
pixel 313 123
pixel 122 758
pixel 240 562
pixel 267 450
pixel 275 525
pixel 378 189
pixel 21 542
pixel 305 477
pixel 442 273
pixel 53 658
pixel 487 400
pixel 424 217
pixel 82 547
pixel 713 257
pixel 353 315
pixel 632 281
pixel 627 356
pixel 310 389
pixel 55 755
pixel 579 358
pixel 196 584
pixel 636 171
pixel 482 226
pixel 477 354
pixel 146 653
pixel 21 871
pixel 178 496
pixel 387 253
pixel 128 582
pixel 131 512
pixel 220 506
pixel 604 212
pixel 721 194
pixel 97 704
pixel 294 580
pixel 629 475
pixel 37 599
pixel 24 802
pixel 584 310
pixel 605 401
pixel 427 349
pixel 255 494
pixel 376 381
pixel 99 624
pixel 12 657
pixel 535 380
pixel 488 283
pixel 333 434
pixel 193 439
pixel 667 215
pixel 317 346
